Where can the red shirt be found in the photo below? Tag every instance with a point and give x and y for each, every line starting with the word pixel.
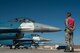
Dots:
pixel 70 22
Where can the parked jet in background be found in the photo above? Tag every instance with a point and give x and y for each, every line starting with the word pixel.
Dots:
pixel 27 41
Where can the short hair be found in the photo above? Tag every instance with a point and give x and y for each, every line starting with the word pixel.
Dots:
pixel 68 14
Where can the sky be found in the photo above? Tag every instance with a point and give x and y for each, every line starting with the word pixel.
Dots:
pixel 50 12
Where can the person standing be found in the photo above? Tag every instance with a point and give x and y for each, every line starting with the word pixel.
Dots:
pixel 69 28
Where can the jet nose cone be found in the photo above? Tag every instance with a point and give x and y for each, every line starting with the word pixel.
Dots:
pixel 45 28
pixel 50 28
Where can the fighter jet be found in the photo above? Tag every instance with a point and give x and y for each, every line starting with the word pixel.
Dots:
pixel 19 25
pixel 35 41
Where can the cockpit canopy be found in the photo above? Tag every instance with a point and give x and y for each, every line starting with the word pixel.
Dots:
pixel 22 19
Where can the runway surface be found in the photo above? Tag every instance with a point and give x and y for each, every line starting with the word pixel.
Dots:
pixel 7 50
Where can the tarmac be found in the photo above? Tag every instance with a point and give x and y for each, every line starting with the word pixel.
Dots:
pixel 7 50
